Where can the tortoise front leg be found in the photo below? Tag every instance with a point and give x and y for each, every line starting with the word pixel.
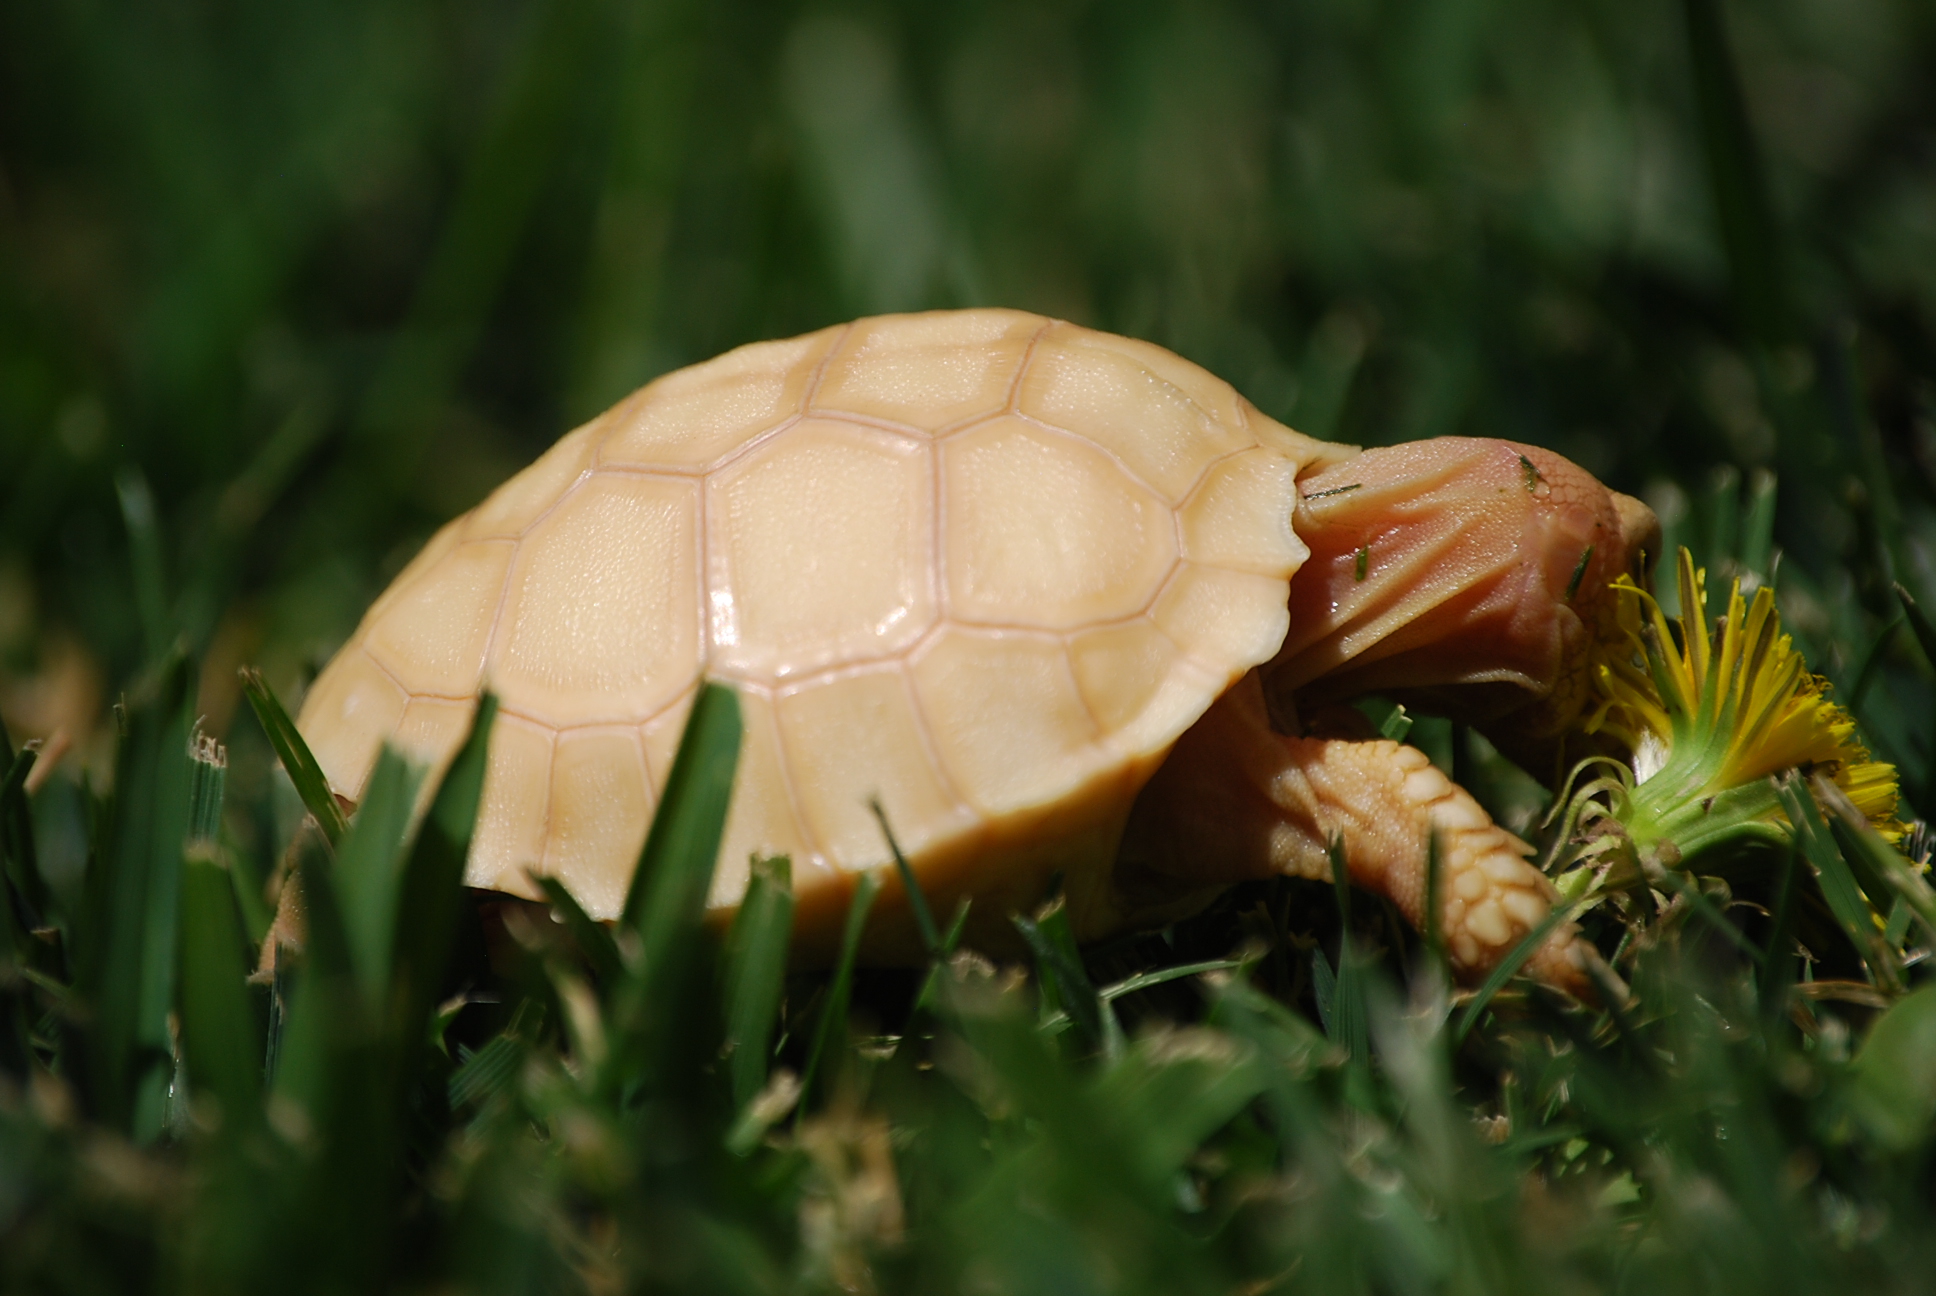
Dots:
pixel 1236 801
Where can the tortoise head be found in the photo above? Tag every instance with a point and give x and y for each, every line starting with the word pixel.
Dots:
pixel 1463 576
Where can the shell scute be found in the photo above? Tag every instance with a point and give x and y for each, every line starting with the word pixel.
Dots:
pixel 819 551
pixel 353 704
pixel 1206 391
pixel 1009 722
pixel 1221 616
pixel 928 371
pixel 600 616
pixel 1111 395
pixel 1120 668
pixel 761 819
pixel 855 737
pixel 1043 529
pixel 694 417
pixel 433 636
pixel 513 814
pixel 1237 518
pixel 509 510
pixel 441 542
pixel 601 805
pixel 430 731
pixel 660 735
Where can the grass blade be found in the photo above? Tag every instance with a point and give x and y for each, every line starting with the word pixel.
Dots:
pixel 1288 1039
pixel 221 1038
pixel 592 937
pixel 208 766
pixel 1324 989
pixel 756 956
pixel 1778 963
pixel 668 891
pixel 17 847
pixel 950 940
pixel 1348 1002
pixel 1866 672
pixel 369 867
pixel 492 1068
pixel 1852 909
pixel 1721 543
pixel 208 783
pixel 245 875
pixel 1919 625
pixel 348 1083
pixel 917 900
pixel 1748 229
pixel 1900 916
pixel 1508 968
pixel 1074 977
pixel 833 1013
pixel 1162 976
pixel 1855 833
pixel 294 753
pixel 430 891
pixel 1146 980
pixel 325 1013
pixel 1699 904
pixel 1396 725
pixel 1758 525
pixel 1064 985
pixel 130 925
pixel 145 547
pixel 660 929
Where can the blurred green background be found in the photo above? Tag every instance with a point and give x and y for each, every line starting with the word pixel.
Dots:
pixel 301 281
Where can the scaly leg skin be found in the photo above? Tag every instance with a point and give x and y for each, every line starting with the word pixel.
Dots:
pixel 1236 801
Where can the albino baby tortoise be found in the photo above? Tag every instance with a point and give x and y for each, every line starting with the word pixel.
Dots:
pixel 1022 582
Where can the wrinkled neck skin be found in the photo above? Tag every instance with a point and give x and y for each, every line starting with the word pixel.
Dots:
pixel 1461 576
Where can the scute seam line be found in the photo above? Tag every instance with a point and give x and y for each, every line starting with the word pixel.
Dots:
pixel 873 422
pixel 1101 449
pixel 932 749
pixel 806 836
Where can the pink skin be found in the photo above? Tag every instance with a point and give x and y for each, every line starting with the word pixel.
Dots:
pixel 1466 576
pixel 1474 600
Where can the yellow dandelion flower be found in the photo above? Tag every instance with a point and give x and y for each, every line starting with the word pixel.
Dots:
pixel 1710 710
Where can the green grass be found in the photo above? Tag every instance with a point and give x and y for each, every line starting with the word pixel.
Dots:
pixel 279 293
pixel 654 1108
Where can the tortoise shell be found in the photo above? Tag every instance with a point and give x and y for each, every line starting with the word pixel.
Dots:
pixel 982 566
